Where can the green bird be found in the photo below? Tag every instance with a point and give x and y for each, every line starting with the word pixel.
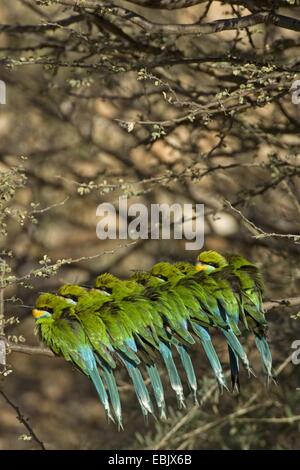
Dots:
pixel 86 308
pixel 251 291
pixel 182 300
pixel 86 305
pixel 174 316
pixel 247 285
pixel 215 306
pixel 66 338
pixel 211 264
pixel 139 321
pixel 141 309
pixel 105 323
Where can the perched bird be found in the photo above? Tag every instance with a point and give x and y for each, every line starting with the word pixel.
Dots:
pixel 86 310
pixel 64 335
pixel 251 286
pixel 247 284
pixel 106 323
pixel 163 288
pixel 141 322
pixel 216 306
pixel 130 296
pixel 174 314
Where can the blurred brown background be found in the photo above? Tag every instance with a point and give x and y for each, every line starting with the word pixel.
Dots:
pixel 101 107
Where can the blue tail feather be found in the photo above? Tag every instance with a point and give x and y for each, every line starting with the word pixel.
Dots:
pixel 114 394
pixel 210 353
pixel 139 387
pixel 158 389
pixel 131 344
pixel 112 390
pixel 173 373
pixel 129 353
pixel 234 369
pixel 237 347
pixel 90 362
pixel 265 355
pixel 189 369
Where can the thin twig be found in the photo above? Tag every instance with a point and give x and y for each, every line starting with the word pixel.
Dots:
pixel 58 264
pixel 290 302
pixel 2 318
pixel 23 420
pixel 48 208
pixel 260 233
pixel 31 350
pixel 186 418
pixel 282 420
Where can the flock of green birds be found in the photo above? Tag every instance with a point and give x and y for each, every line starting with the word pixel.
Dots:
pixel 142 321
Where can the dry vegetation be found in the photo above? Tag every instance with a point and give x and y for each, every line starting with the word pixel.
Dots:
pixel 162 101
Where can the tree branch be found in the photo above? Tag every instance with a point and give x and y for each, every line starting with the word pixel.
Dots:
pixel 259 17
pixel 2 318
pixel 39 28
pixel 178 4
pixel 31 350
pixel 290 302
pixel 23 420
pixel 260 233
pixel 166 4
pixel 35 350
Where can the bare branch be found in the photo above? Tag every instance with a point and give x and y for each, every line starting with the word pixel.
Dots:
pixel 178 4
pixel 59 263
pixel 281 420
pixel 167 4
pixel 33 28
pixel 30 350
pixel 291 302
pixel 35 350
pixel 23 420
pixel 260 17
pixel 2 318
pixel 260 233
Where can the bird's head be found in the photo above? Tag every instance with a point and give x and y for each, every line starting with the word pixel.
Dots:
pixel 108 283
pixel 210 261
pixel 185 268
pixel 50 306
pixel 72 291
pixel 238 261
pixel 246 271
pixel 165 272
pixel 142 277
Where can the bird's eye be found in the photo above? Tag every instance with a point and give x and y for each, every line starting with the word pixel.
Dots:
pixel 72 297
pixel 106 289
pixel 161 276
pixel 48 309
pixel 213 265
